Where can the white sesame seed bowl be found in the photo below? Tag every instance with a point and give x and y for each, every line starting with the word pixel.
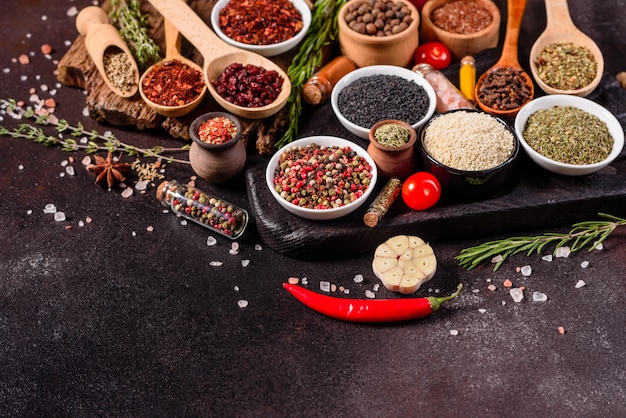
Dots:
pixel 588 118
pixel 284 172
pixel 370 94
pixel 267 50
pixel 473 154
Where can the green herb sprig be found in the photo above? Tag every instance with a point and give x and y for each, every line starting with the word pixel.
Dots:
pixel 323 31
pixel 93 141
pixel 132 25
pixel 582 234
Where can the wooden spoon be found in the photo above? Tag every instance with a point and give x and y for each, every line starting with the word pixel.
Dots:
pixel 508 59
pixel 218 55
pixel 561 29
pixel 173 42
pixel 100 37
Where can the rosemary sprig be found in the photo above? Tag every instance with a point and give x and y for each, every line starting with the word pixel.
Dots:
pixel 308 59
pixel 132 25
pixel 581 235
pixel 89 140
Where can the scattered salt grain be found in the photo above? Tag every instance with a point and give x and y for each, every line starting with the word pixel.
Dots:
pixel 539 297
pixel 59 216
pixel 183 222
pixel 150 229
pixel 599 247
pixel 369 294
pixel 141 185
pixel 584 264
pixel 245 263
pixel 561 330
pixel 526 271
pixel 29 212
pixel 211 241
pixel 20 167
pixel 507 283
pixel 81 223
pixel 72 11
pixel 454 332
pixel 70 170
pixel 358 278
pixel 481 310
pixel 475 290
pixel 127 192
pixel 325 286
pixel 50 208
pixel 242 303
pixel 85 111
pixel 257 247
pixel 547 258
pixel 580 284
pixel 88 220
pixel 491 287
pixel 305 280
pixel 134 234
pixel 236 288
pixel 562 252
pixel 376 287
pixel 516 294
pixel 215 263
pixel 496 259
pixel 293 280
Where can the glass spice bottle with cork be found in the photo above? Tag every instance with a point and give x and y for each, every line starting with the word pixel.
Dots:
pixel 203 208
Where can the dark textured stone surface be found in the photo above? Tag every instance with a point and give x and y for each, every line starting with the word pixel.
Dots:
pixel 110 319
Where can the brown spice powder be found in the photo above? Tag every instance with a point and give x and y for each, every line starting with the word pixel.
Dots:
pixel 461 17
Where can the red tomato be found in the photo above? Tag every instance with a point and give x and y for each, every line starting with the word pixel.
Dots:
pixel 421 190
pixel 433 53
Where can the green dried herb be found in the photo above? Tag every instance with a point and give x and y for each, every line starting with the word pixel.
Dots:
pixel 569 135
pixel 392 135
pixel 566 66
pixel 582 234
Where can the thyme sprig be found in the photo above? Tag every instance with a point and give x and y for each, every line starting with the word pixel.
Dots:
pixel 323 32
pixel 79 138
pixel 581 234
pixel 132 24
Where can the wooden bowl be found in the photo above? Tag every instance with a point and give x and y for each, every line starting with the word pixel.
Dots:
pixel 366 50
pixel 461 45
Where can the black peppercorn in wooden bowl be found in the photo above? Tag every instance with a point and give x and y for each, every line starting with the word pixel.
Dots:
pixel 368 39
pixel 284 25
pixel 473 154
pixel 569 135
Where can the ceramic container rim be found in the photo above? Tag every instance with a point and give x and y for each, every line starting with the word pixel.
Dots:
pixel 320 214
pixel 381 70
pixel 582 103
pixel 193 129
pixel 511 159
pixel 265 50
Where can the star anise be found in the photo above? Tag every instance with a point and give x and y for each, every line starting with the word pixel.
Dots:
pixel 106 169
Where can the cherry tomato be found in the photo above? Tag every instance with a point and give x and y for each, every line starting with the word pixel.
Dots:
pixel 433 53
pixel 421 190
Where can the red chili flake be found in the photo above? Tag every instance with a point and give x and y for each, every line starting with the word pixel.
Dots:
pixel 260 22
pixel 217 130
pixel 461 17
pixel 173 83
pixel 249 85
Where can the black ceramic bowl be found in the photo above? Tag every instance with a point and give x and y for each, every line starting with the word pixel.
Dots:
pixel 195 126
pixel 470 185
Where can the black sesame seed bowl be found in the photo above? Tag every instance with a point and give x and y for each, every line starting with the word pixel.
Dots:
pixel 581 133
pixel 295 173
pixel 370 94
pixel 473 154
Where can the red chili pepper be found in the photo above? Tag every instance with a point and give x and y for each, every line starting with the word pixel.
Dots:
pixel 369 310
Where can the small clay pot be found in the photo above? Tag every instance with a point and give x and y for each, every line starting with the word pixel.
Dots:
pixel 216 163
pixel 396 162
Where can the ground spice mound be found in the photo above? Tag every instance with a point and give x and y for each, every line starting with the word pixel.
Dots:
pixel 461 17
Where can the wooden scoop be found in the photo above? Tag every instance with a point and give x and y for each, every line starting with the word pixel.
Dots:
pixel 561 29
pixel 218 55
pixel 508 59
pixel 173 42
pixel 101 37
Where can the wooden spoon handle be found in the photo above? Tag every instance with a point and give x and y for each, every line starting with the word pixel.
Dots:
pixel 173 40
pixel 558 16
pixel 193 28
pixel 513 24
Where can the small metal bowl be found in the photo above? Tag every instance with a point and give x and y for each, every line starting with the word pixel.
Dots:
pixel 462 185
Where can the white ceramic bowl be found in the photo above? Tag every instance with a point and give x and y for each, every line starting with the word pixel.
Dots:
pixel 363 131
pixel 615 129
pixel 320 214
pixel 265 50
